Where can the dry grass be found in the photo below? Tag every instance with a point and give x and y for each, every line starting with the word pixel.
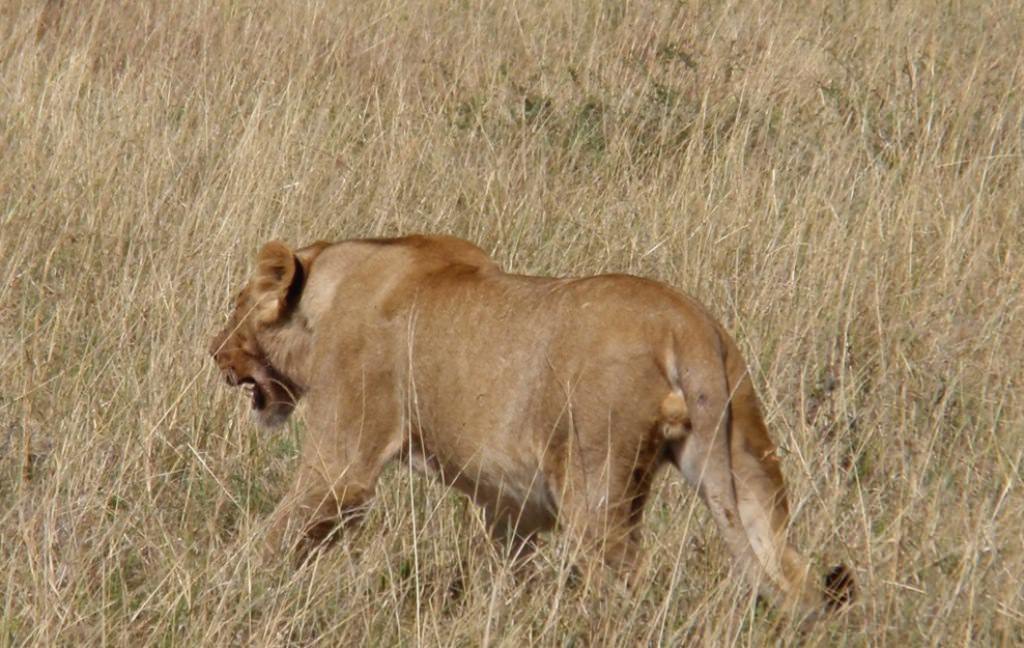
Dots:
pixel 840 182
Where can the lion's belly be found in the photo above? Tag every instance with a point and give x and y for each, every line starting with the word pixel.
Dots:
pixel 512 491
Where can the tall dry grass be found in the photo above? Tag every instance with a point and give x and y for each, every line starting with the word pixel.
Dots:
pixel 840 182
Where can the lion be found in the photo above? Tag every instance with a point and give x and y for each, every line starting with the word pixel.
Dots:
pixel 546 400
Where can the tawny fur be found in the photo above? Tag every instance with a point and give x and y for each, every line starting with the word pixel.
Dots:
pixel 544 399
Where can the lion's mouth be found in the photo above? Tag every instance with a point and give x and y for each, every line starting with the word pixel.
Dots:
pixel 256 393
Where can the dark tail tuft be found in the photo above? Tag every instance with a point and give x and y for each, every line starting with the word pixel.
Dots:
pixel 840 588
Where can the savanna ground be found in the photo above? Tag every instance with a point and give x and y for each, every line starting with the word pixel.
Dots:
pixel 841 183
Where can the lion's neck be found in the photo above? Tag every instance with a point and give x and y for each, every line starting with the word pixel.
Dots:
pixel 288 349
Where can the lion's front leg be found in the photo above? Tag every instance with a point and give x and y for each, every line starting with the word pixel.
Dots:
pixel 350 438
pixel 310 516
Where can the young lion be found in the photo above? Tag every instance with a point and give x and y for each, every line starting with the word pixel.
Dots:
pixel 543 399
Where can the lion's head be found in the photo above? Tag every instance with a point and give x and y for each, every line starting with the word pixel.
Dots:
pixel 252 349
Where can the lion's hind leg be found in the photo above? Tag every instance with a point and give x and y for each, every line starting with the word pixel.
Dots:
pixel 602 531
pixel 602 494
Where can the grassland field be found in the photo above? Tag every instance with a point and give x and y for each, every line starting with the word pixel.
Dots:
pixel 841 183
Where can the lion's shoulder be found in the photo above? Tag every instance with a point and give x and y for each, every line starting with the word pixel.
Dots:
pixel 385 274
pixel 406 255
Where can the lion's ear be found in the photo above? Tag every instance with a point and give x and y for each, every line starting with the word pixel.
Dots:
pixel 276 283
